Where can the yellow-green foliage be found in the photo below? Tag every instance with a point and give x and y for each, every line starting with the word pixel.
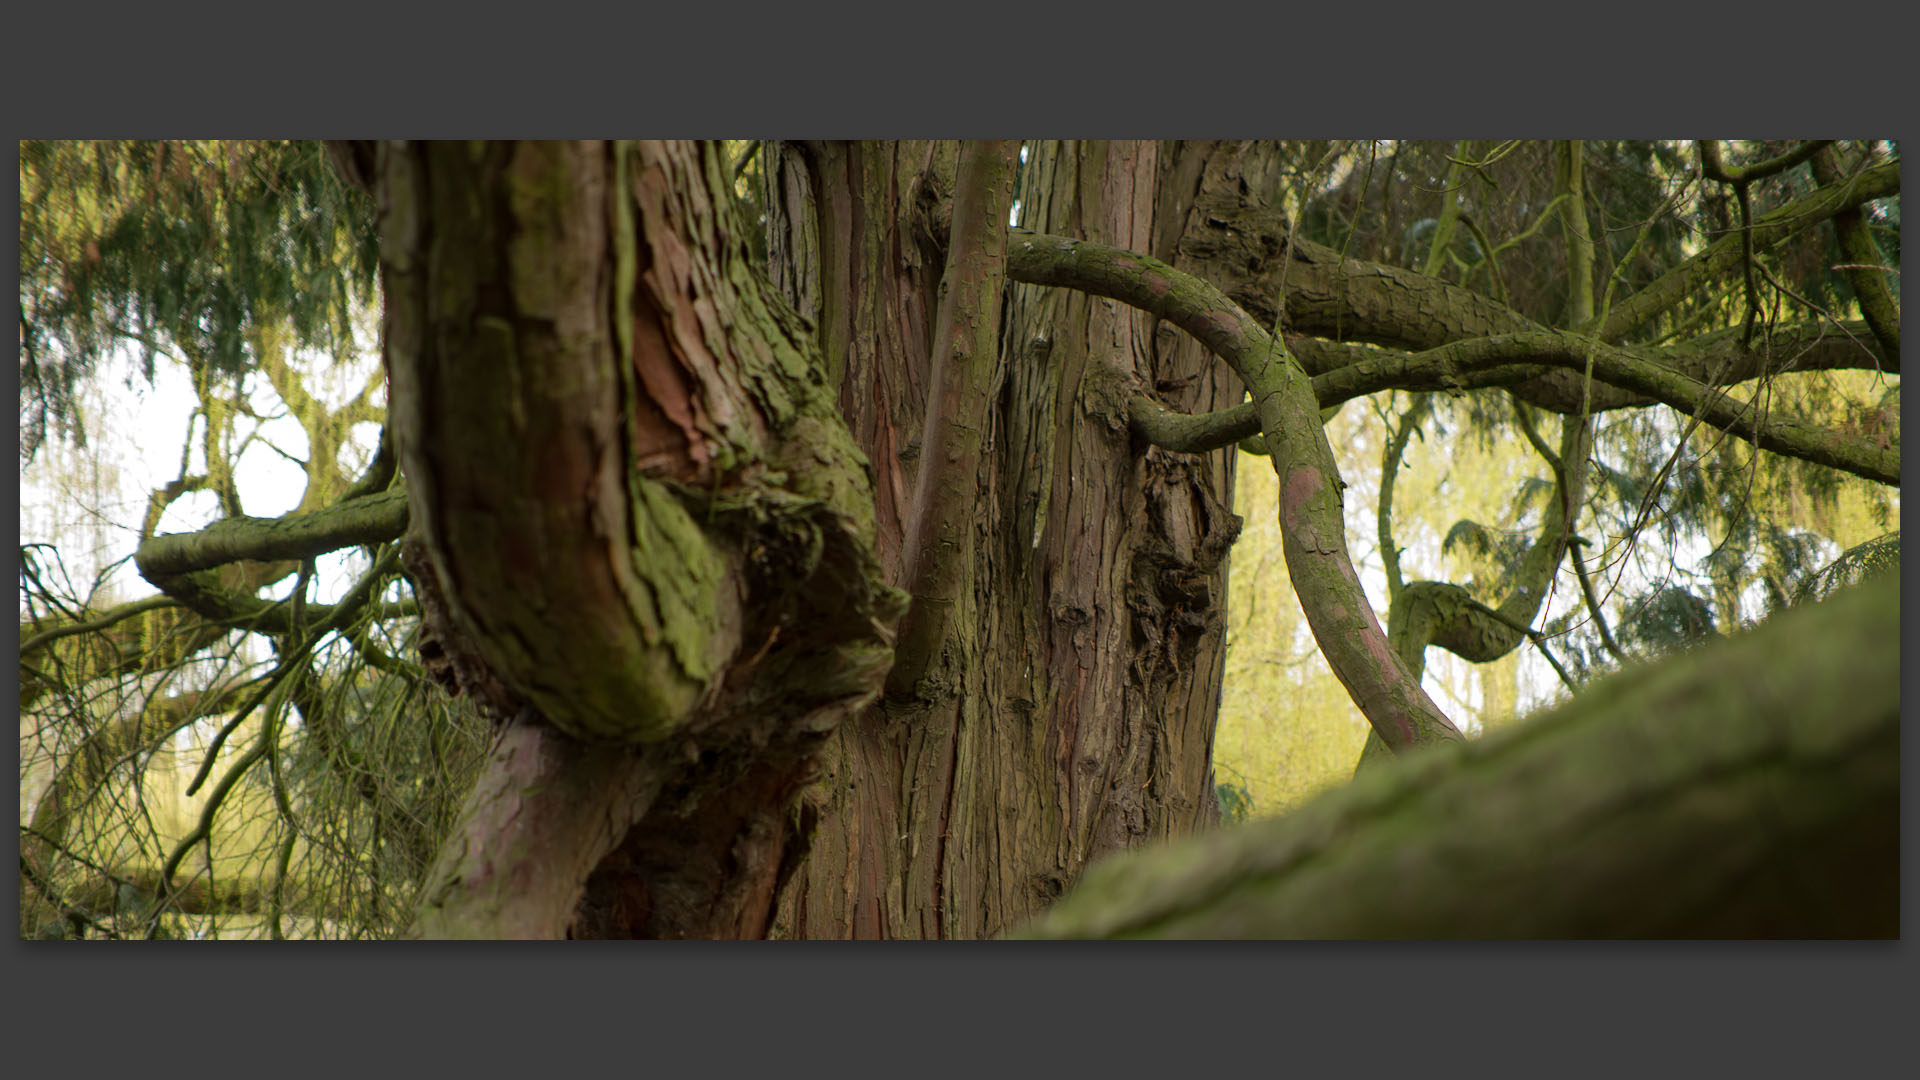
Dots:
pixel 1287 728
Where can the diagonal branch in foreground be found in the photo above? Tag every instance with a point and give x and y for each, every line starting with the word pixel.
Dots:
pixel 1748 789
pixel 1311 522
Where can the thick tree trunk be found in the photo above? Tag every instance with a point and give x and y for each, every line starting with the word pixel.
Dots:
pixel 1070 708
pixel 637 513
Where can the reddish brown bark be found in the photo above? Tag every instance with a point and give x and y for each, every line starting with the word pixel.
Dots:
pixel 1070 709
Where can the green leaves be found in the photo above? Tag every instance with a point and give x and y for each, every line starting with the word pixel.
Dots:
pixel 1236 803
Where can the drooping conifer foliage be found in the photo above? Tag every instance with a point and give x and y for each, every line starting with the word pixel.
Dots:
pixel 179 247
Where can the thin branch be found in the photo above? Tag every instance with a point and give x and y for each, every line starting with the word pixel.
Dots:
pixel 123 612
pixel 746 158
pixel 1718 169
pixel 1539 641
pixel 1593 601
pixel 1389 471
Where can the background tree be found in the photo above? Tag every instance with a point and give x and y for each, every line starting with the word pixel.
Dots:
pixel 252 764
pixel 928 608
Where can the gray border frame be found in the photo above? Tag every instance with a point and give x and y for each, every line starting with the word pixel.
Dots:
pixel 1547 1010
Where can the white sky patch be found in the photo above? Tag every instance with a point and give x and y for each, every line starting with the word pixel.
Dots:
pixel 89 501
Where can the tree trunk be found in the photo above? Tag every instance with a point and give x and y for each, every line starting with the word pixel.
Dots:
pixel 1076 686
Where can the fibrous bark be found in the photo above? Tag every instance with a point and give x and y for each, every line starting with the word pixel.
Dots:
pixel 1075 690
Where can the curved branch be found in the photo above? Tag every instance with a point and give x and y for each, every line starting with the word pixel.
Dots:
pixel 1439 613
pixel 1507 358
pixel 1187 433
pixel 1718 169
pixel 1443 368
pixel 1311 522
pixel 613 431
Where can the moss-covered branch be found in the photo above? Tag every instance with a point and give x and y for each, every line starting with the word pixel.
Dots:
pixel 1748 789
pixel 1725 255
pixel 612 429
pixel 36 635
pixel 1577 234
pixel 1441 613
pixel 1718 169
pixel 1507 358
pixel 1444 367
pixel 644 517
pixel 1865 263
pixel 1329 296
pixel 369 519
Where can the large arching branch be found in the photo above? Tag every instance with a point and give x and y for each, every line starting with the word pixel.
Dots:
pixel 1312 527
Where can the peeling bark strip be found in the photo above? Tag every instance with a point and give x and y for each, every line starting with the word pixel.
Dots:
pixel 1312 527
pixel 1749 789
pixel 645 518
